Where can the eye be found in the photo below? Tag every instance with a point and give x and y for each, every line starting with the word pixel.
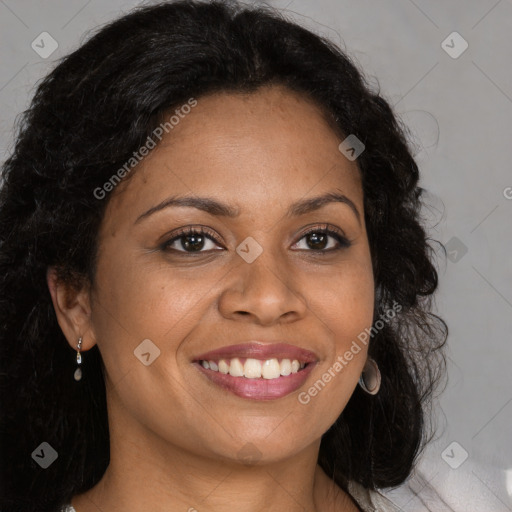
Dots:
pixel 200 240
pixel 191 240
pixel 317 240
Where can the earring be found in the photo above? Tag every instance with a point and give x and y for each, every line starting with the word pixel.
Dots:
pixel 78 371
pixel 370 378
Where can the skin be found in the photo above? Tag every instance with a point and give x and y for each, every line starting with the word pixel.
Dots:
pixel 175 436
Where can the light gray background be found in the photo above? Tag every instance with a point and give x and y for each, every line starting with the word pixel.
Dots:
pixel 459 111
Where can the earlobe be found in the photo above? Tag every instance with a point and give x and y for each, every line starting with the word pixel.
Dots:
pixel 72 309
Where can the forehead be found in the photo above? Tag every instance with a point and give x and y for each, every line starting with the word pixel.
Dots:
pixel 247 149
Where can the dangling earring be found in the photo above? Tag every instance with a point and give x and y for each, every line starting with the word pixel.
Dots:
pixel 78 371
pixel 370 378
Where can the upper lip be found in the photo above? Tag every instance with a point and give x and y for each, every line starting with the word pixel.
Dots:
pixel 260 350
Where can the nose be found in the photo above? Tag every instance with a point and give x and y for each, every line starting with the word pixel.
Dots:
pixel 265 292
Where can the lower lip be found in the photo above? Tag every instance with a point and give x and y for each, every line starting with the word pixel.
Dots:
pixel 258 389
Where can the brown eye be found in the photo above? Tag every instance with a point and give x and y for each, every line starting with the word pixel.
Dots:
pixel 191 241
pixel 317 240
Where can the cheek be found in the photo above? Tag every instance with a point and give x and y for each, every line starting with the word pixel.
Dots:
pixel 344 303
pixel 148 298
pixel 135 302
pixel 344 298
pixel 138 303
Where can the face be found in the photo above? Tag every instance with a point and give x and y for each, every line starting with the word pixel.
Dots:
pixel 252 274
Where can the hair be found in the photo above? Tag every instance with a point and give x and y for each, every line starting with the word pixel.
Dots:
pixel 86 119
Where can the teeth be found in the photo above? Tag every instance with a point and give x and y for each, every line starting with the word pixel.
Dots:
pixel 270 369
pixel 286 367
pixel 236 368
pixel 254 368
pixel 223 366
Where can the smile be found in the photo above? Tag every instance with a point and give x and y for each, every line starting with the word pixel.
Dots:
pixel 257 370
pixel 250 368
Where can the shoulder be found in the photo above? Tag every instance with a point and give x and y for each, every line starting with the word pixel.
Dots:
pixel 369 500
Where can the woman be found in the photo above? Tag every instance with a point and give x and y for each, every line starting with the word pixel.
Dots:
pixel 216 288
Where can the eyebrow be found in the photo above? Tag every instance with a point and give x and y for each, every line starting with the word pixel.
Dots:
pixel 219 209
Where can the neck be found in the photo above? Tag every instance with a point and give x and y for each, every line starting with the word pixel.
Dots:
pixel 146 469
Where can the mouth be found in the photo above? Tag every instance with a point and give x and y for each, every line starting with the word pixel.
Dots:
pixel 251 368
pixel 257 371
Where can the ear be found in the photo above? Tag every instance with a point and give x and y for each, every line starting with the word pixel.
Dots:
pixel 72 306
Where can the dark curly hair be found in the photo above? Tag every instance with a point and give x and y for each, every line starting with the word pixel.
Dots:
pixel 87 117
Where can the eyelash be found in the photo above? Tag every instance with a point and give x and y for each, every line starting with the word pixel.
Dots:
pixel 343 242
